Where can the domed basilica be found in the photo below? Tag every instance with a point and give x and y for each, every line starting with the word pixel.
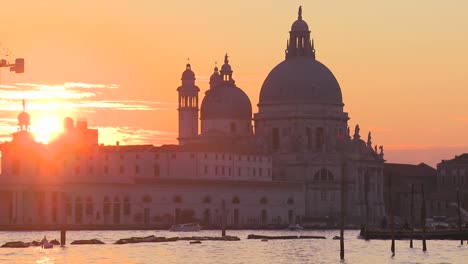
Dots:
pixel 294 161
pixel 300 123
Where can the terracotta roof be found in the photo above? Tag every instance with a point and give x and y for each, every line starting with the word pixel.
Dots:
pixel 409 170
pixel 205 147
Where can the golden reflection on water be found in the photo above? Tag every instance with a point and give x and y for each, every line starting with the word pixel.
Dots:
pixel 235 252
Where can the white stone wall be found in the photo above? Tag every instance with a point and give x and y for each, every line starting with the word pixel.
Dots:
pixel 156 201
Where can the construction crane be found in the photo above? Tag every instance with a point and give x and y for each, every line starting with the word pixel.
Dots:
pixel 17 66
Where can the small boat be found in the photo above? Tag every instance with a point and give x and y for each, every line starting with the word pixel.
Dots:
pixel 449 234
pixel 189 227
pixel 295 227
pixel 46 244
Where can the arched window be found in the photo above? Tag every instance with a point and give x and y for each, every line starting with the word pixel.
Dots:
pixel 106 205
pixel 126 206
pixel 236 200
pixel 68 206
pixel 147 199
pixel 207 199
pixel 157 170
pixel 177 199
pixel 324 175
pixel 233 127
pixel 319 138
pixel 263 200
pixel 89 205
pixel 78 210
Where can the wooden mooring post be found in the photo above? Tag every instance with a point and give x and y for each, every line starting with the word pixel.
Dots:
pixel 412 216
pixel 63 236
pixel 459 215
pixel 423 219
pixel 390 211
pixel 223 218
pixel 342 212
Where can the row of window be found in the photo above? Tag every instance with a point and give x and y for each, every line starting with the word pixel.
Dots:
pixel 455 180
pixel 453 172
pixel 148 199
pixel 105 169
pixel 222 170
pixel 192 156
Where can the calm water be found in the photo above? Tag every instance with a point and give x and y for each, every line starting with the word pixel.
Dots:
pixel 244 251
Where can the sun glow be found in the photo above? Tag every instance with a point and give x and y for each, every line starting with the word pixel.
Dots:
pixel 46 127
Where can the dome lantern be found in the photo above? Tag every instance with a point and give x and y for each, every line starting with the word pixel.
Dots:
pixel 300 44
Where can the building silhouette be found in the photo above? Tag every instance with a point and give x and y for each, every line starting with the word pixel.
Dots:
pixel 290 162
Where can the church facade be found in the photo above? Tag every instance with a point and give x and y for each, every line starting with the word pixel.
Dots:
pixel 293 161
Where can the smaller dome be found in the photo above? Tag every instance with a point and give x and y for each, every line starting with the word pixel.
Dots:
pixel 24 119
pixel 300 25
pixel 215 78
pixel 188 74
pixel 228 102
pixel 226 68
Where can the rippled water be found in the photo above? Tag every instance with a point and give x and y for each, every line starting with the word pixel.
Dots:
pixel 244 251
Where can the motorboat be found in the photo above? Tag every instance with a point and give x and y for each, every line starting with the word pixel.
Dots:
pixel 295 227
pixel 46 244
pixel 189 227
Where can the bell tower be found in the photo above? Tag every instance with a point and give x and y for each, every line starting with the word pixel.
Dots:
pixel 188 106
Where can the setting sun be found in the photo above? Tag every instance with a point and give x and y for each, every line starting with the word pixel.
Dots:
pixel 46 127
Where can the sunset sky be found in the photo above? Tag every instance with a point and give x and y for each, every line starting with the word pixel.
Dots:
pixel 402 65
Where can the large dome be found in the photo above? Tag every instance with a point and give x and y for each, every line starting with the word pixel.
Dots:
pixel 226 102
pixel 301 79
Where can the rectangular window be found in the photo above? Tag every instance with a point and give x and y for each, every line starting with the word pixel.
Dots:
pixel 126 209
pixel 137 169
pixel 275 138
pixel 106 209
pixel 157 170
pixel 16 166
pixel 319 138
pixel 309 137
pixel 90 169
pixel 106 169
pixel 323 196
pixel 206 169
pixel 68 209
pixel 122 169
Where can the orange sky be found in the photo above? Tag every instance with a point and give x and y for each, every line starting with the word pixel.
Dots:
pixel 402 65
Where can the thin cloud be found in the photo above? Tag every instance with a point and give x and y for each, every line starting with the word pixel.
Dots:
pixel 77 97
pixel 134 135
pixel 462 118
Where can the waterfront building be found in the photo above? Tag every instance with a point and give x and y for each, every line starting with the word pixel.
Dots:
pixel 293 161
